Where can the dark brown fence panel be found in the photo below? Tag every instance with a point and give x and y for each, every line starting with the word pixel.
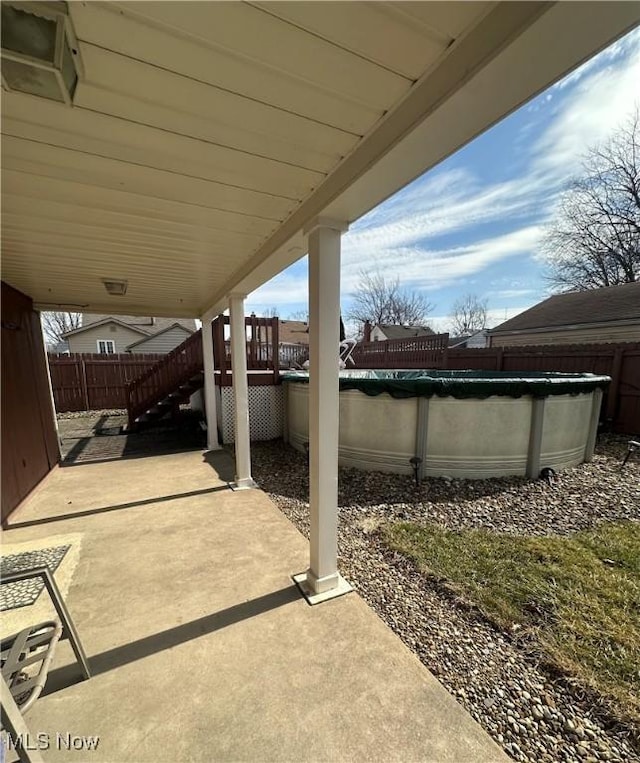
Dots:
pixel 627 415
pixel 621 404
pixel 85 381
pixel 413 352
pixel 67 381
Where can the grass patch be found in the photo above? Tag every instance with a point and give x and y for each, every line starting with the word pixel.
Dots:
pixel 578 595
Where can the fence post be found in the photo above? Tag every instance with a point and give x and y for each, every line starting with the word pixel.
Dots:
pixel 614 387
pixel 83 382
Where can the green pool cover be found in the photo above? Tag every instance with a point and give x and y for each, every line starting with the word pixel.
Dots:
pixel 463 384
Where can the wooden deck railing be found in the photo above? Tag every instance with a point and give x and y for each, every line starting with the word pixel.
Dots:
pixel 165 376
pixel 262 350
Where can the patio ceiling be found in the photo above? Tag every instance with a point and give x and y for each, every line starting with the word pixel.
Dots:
pixel 205 135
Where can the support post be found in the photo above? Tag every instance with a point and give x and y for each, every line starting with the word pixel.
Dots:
pixel 422 431
pixel 209 383
pixel 240 392
pixel 535 438
pixel 593 425
pixel 322 581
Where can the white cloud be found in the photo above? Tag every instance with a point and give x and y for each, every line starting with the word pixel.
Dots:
pixel 510 293
pixel 406 235
pixel 600 101
pixel 286 290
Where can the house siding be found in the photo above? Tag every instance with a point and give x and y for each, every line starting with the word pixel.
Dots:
pixel 569 336
pixel 87 341
pixel 164 342
pixel 377 335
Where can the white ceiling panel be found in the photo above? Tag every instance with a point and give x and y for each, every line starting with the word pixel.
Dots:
pixel 73 215
pixel 446 19
pixel 368 29
pixel 147 209
pixel 144 94
pixel 114 138
pixel 240 30
pixel 50 160
pixel 135 38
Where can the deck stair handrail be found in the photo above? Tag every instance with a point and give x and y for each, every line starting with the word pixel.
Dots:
pixel 165 376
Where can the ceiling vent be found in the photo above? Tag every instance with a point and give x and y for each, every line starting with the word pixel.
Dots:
pixel 39 50
pixel 114 287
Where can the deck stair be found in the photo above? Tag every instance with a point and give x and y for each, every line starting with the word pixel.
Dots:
pixel 169 382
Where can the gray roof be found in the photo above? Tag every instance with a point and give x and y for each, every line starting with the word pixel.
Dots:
pixel 393 331
pixel 104 321
pixel 145 323
pixel 612 303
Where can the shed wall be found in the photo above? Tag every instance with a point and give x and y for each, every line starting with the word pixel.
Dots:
pixel 29 439
pixel 569 336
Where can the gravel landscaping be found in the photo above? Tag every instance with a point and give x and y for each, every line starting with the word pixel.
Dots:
pixel 535 714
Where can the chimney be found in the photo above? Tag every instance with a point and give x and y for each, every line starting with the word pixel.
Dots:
pixel 367 332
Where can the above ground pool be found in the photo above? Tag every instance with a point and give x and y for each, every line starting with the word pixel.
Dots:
pixel 469 424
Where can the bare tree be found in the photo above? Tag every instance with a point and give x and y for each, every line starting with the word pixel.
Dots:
pixel 594 240
pixel 379 299
pixel 300 315
pixel 55 324
pixel 469 314
pixel 271 312
pixel 303 315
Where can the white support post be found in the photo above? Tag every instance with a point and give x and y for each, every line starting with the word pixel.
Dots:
pixel 209 383
pixel 322 581
pixel 240 391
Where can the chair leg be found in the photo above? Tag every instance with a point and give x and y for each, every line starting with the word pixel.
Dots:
pixel 68 628
pixel 16 727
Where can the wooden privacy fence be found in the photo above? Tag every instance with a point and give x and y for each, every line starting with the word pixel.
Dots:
pixel 86 382
pixel 412 352
pixel 621 404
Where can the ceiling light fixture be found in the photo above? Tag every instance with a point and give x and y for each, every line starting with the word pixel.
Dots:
pixel 115 287
pixel 39 50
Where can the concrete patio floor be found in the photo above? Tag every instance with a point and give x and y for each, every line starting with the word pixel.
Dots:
pixel 201 647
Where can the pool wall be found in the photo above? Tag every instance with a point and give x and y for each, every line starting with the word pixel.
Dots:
pixel 470 438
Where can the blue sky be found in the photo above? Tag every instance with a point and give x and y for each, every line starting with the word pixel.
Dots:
pixel 474 223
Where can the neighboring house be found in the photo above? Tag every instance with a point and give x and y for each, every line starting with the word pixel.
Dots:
pixel 610 314
pixel 58 348
pixel 293 332
pixel 382 331
pixel 476 341
pixel 109 334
